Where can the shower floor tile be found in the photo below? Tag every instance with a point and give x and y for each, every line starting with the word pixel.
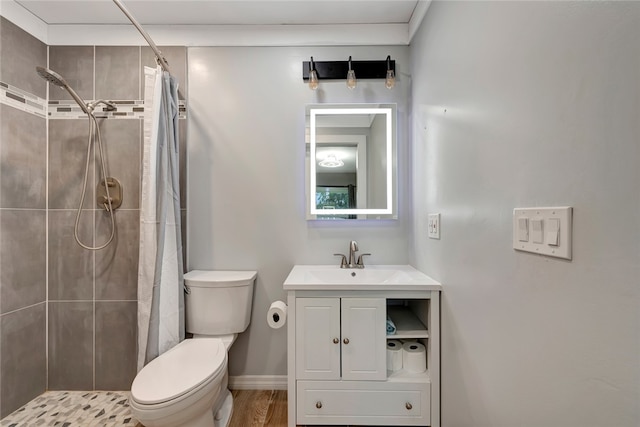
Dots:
pixel 74 409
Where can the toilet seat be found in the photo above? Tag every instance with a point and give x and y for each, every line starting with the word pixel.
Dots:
pixel 181 371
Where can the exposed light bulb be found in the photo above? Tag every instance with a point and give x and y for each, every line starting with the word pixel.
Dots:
pixel 351 79
pixel 390 81
pixel 313 80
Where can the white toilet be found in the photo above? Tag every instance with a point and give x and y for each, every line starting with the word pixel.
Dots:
pixel 187 385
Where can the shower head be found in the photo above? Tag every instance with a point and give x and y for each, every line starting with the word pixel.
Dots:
pixel 58 80
pixel 51 76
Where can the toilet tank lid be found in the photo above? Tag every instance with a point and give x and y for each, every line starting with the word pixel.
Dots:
pixel 219 278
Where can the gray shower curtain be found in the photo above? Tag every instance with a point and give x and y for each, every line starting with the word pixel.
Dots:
pixel 160 272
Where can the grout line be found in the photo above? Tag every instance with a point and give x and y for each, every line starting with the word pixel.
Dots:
pixel 46 218
pixel 140 73
pixel 90 300
pixel 23 308
pixel 93 188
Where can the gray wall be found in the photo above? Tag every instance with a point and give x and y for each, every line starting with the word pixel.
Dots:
pixel 246 176
pixel 22 223
pixel 520 104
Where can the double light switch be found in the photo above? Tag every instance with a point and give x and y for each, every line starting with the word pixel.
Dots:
pixel 545 231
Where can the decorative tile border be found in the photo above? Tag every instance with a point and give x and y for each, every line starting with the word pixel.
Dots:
pixel 70 110
pixel 30 103
pixel 22 100
pixel 74 409
pixel 125 109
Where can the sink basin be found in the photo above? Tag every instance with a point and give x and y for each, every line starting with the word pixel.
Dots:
pixel 331 277
pixel 343 275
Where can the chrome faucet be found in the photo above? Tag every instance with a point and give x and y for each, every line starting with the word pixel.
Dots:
pixel 352 263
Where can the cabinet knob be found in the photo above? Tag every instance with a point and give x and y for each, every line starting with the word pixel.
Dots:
pixel 346 340
pixel 318 405
pixel 336 340
pixel 408 405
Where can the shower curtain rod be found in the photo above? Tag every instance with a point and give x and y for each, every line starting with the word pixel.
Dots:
pixel 163 62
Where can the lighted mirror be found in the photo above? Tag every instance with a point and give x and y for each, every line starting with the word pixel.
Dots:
pixel 351 170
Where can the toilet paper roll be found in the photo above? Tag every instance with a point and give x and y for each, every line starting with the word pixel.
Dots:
pixel 277 314
pixel 394 355
pixel 414 357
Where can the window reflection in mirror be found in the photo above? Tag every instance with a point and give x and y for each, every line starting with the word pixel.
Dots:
pixel 351 161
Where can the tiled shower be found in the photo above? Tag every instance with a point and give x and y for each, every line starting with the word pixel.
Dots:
pixel 68 315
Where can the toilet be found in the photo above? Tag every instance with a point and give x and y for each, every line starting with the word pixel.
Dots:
pixel 187 385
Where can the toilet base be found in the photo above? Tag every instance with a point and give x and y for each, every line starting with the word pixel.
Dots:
pixel 204 420
pixel 223 416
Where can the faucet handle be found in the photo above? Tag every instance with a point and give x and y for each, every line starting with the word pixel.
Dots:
pixel 343 261
pixel 360 263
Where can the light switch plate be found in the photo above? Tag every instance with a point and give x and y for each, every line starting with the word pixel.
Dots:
pixel 551 237
pixel 433 224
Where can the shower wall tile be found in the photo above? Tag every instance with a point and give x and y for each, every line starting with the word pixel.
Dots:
pixel 70 266
pixel 22 357
pixel 122 146
pixel 117 264
pixel 71 345
pixel 20 53
pixel 75 65
pixel 23 148
pixel 68 141
pixel 116 335
pixel 22 258
pixel 117 72
pixel 176 56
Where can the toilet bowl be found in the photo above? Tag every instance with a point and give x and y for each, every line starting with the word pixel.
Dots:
pixel 181 387
pixel 187 385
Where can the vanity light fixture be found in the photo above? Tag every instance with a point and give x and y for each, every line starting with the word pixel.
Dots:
pixel 390 80
pixel 313 76
pixel 331 161
pixel 313 71
pixel 351 77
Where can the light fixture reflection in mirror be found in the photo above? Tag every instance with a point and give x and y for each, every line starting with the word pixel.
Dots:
pixel 319 154
pixel 331 161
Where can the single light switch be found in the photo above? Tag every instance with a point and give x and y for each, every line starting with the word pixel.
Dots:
pixel 433 224
pixel 536 230
pixel 553 231
pixel 523 229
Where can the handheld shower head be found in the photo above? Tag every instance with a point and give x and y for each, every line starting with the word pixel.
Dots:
pixel 51 76
pixel 58 80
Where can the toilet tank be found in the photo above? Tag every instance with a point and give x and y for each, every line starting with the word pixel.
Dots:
pixel 218 302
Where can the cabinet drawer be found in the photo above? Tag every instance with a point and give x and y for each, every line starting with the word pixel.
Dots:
pixel 363 402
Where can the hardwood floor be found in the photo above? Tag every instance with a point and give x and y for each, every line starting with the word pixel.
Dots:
pixel 257 408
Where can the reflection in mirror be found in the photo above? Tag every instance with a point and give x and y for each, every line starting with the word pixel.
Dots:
pixel 350 161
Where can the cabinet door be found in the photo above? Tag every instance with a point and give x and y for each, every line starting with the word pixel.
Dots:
pixel 364 349
pixel 318 338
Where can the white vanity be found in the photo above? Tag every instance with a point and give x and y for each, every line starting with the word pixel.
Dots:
pixel 337 346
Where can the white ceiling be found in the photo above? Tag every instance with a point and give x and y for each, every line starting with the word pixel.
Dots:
pixel 223 12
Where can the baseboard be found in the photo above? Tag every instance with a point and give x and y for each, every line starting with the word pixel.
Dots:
pixel 258 382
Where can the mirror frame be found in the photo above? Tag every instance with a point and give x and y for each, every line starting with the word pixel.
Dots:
pixel 388 111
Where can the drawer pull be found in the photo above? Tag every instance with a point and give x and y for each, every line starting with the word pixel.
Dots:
pixel 408 405
pixel 318 405
pixel 346 340
pixel 336 340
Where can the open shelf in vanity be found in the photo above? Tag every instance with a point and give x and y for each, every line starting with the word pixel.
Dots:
pixel 337 354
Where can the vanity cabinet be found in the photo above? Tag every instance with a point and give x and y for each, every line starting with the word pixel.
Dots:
pixel 337 353
pixel 341 338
